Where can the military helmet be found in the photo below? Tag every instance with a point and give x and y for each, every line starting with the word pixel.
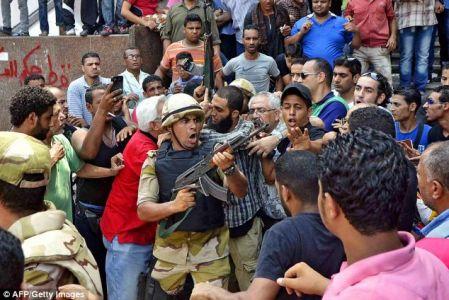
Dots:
pixel 245 85
pixel 179 105
pixel 21 154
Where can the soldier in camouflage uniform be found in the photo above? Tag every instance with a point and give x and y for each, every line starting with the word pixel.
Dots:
pixel 55 253
pixel 199 245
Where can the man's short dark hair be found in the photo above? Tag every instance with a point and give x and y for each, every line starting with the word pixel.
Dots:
pixel 33 76
pixel 374 118
pixel 443 90
pixel 298 170
pixel 149 79
pixel 233 95
pixel 89 55
pixel 250 27
pixel 411 95
pixel 384 86
pixel 192 18
pixel 292 50
pixel 27 100
pixel 90 91
pixel 365 171
pixel 23 201
pixel 444 66
pixel 353 64
pixel 12 261
pixel 299 61
pixel 129 48
pixel 321 65
pixel 183 55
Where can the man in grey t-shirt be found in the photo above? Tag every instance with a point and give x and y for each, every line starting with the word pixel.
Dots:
pixel 253 66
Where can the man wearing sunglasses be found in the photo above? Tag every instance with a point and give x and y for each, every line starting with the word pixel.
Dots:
pixel 437 109
pixel 317 76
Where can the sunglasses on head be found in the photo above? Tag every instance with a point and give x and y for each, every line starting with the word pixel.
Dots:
pixel 373 75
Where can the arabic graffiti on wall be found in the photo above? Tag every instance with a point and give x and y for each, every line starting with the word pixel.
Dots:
pixel 21 68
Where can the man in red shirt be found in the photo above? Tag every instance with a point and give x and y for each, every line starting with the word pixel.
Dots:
pixel 129 240
pixel 378 30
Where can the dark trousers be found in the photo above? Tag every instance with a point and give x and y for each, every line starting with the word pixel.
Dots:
pixel 93 237
pixel 90 14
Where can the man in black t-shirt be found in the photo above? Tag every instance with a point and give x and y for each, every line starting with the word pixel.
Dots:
pixel 437 109
pixel 301 238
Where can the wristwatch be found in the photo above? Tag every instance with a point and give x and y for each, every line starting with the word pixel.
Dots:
pixel 230 171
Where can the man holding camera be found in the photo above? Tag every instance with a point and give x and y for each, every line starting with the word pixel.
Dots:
pixel 192 44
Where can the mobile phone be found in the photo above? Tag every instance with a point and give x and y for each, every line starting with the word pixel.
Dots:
pixel 117 83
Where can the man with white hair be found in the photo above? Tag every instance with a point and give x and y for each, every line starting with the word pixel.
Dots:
pixel 433 183
pixel 129 240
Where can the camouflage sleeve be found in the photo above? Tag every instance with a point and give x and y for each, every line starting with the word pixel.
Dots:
pixel 45 277
pixel 148 184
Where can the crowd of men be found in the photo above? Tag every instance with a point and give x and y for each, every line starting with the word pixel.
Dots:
pixel 303 173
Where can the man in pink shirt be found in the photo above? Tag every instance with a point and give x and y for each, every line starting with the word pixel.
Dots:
pixel 378 31
pixel 360 201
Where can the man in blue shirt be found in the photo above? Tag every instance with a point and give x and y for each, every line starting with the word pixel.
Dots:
pixel 404 105
pixel 323 34
pixel 317 76
pixel 433 183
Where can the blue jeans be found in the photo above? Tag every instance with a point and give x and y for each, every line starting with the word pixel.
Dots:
pixel 414 47
pixel 43 15
pixel 107 8
pixel 124 263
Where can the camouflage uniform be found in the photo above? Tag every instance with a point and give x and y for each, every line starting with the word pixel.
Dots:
pixel 55 253
pixel 203 255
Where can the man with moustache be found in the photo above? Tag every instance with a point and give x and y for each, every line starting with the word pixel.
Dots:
pixel 243 216
pixel 90 65
pixel 372 88
pixel 437 109
pixel 199 244
pixel 347 71
pixel 301 238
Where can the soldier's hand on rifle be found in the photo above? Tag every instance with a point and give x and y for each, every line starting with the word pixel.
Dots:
pixel 223 160
pixel 184 199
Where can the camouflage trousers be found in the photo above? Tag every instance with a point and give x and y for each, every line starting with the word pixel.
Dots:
pixel 172 277
pixel 203 255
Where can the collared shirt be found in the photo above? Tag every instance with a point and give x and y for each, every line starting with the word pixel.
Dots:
pixel 174 26
pixel 120 215
pixel 372 17
pixel 325 40
pixel 438 227
pixel 405 273
pixel 419 13
pixel 131 85
pixel 169 59
pixel 335 107
pixel 238 10
pixel 295 10
pixel 238 211
pixel 76 98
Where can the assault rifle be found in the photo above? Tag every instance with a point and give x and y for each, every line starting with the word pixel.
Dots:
pixel 196 177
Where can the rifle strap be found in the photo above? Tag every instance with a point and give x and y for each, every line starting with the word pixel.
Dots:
pixel 164 232
pixel 418 136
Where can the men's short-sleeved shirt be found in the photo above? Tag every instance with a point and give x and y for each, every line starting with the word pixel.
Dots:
pixel 415 13
pixel 76 98
pixel 325 40
pixel 169 59
pixel 329 109
pixel 257 71
pixel 147 7
pixel 436 135
pixel 404 273
pixel 59 188
pixel 302 238
pixel 412 135
pixel 131 85
pixel 372 17
pixel 174 25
